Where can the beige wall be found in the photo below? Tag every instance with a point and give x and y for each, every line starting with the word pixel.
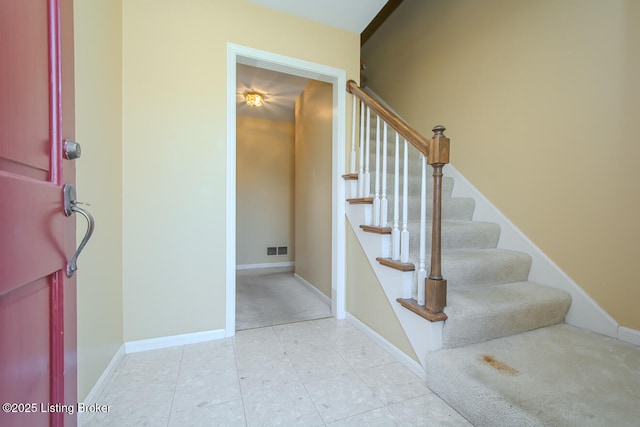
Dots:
pixel 367 301
pixel 174 137
pixel 313 200
pixel 264 190
pixel 98 81
pixel 541 99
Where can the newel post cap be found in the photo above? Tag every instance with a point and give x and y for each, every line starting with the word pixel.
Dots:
pixel 438 147
pixel 438 131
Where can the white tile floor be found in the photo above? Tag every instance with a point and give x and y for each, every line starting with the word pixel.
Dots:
pixel 312 373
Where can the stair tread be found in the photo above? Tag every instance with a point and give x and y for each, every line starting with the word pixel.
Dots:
pixel 558 375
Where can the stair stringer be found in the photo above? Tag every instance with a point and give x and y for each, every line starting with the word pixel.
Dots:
pixel 584 312
pixel 424 336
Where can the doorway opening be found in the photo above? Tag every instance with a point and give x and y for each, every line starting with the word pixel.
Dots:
pixel 337 79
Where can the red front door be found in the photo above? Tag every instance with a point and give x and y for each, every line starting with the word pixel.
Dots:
pixel 37 300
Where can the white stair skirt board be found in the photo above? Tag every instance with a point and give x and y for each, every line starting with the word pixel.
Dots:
pixel 423 335
pixel 172 341
pixel 629 335
pixel 107 377
pixel 265 265
pixel 400 356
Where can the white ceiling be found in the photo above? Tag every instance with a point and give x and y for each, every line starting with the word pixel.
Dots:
pixel 280 89
pixel 350 15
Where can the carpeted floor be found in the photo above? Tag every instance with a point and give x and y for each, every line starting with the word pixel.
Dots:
pixel 268 297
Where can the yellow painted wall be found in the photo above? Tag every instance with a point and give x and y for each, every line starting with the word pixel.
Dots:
pixel 264 190
pixel 98 81
pixel 174 146
pixel 367 301
pixel 541 100
pixel 313 198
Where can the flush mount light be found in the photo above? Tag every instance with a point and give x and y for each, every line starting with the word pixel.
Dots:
pixel 254 99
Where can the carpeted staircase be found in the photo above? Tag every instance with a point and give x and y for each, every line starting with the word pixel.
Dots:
pixel 504 343
pixel 489 294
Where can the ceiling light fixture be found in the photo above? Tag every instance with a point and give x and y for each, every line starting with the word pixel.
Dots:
pixel 254 99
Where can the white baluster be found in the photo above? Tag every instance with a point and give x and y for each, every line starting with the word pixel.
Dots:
pixel 383 198
pixel 404 236
pixel 422 272
pixel 367 154
pixel 352 157
pixel 395 233
pixel 361 170
pixel 376 195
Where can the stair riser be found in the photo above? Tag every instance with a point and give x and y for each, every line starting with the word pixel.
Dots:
pixel 453 209
pixel 456 208
pixel 458 235
pixel 489 267
pixel 478 315
pixel 483 329
pixel 485 267
pixel 415 183
pixel 391 140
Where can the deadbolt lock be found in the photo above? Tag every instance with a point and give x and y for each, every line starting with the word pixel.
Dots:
pixel 72 150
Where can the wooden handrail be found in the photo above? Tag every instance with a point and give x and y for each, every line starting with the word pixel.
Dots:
pixel 412 136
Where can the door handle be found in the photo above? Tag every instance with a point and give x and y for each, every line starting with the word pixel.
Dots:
pixel 71 206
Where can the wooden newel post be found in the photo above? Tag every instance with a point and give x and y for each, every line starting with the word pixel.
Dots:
pixel 435 285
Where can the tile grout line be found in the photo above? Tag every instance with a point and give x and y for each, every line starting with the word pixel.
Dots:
pixel 360 376
pixel 235 361
pixel 355 371
pixel 298 376
pixel 352 369
pixel 175 387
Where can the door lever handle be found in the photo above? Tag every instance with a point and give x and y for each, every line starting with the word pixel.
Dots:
pixel 71 206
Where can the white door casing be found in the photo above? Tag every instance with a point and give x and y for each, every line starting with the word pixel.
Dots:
pixel 337 77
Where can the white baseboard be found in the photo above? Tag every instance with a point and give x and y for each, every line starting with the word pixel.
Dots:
pixel 143 345
pixel 265 265
pixel 407 361
pixel 629 335
pixel 101 384
pixel 172 341
pixel 313 289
